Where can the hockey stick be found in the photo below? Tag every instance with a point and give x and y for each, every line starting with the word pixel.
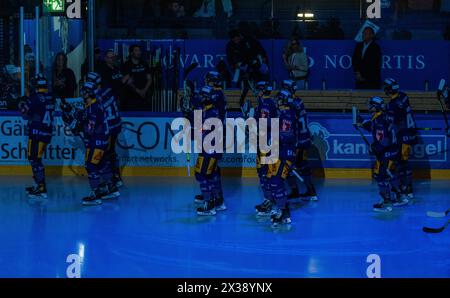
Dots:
pixel 429 128
pixel 436 230
pixel 438 214
pixel 297 175
pixel 441 88
pixel 355 125
pixel 247 108
pixel 186 73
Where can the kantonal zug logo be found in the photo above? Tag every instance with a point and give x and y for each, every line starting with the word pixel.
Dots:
pixel 213 142
pixel 349 147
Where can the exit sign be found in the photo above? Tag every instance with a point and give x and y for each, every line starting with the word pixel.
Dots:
pixel 72 9
pixel 55 6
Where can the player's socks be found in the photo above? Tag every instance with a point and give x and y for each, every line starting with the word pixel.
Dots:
pixel 264 209
pixel 208 208
pixel 281 217
pixel 38 192
pixel 219 204
pixel 93 199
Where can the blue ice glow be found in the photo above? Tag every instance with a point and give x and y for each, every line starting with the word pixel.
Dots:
pixel 153 231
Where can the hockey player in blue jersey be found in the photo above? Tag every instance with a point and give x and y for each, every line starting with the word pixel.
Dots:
pixel 38 109
pixel 386 150
pixel 304 142
pixel 104 94
pixel 281 169
pixel 214 80
pixel 96 135
pixel 206 167
pixel 401 114
pixel 266 109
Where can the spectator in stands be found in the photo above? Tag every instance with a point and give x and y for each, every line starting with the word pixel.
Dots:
pixel 296 62
pixel 137 79
pixel 208 9
pixel 176 14
pixel 98 63
pixel 176 10
pixel 248 61
pixel 366 62
pixel 64 81
pixel 112 75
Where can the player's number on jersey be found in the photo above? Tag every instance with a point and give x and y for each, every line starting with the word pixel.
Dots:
pixel 304 128
pixel 47 118
pixel 110 112
pixel 394 137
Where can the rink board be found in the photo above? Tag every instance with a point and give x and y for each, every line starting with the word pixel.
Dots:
pixel 144 148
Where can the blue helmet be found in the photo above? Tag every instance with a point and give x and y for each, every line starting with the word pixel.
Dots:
pixel 283 97
pixel 39 82
pixel 289 85
pixel 214 78
pixel 376 103
pixel 265 87
pixel 89 89
pixel 390 86
pixel 206 94
pixel 94 78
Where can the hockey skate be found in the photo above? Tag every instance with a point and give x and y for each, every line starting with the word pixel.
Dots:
pixel 110 192
pixel 208 208
pixel 310 195
pixel 219 204
pixel 408 191
pixel 281 217
pixel 199 199
pixel 93 199
pixel 30 189
pixel 118 182
pixel 38 192
pixel 400 200
pixel 264 209
pixel 383 205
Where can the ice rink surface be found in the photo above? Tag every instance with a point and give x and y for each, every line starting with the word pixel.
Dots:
pixel 153 231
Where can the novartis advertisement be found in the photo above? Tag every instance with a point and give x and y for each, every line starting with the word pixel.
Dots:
pixel 330 61
pixel 146 141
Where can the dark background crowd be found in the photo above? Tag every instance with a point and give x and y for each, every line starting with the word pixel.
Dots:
pixel 142 84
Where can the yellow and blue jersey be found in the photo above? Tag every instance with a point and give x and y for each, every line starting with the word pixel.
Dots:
pixel 40 115
pixel 402 117
pixel 303 133
pixel 109 105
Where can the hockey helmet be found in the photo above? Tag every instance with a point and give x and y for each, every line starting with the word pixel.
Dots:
pixel 390 86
